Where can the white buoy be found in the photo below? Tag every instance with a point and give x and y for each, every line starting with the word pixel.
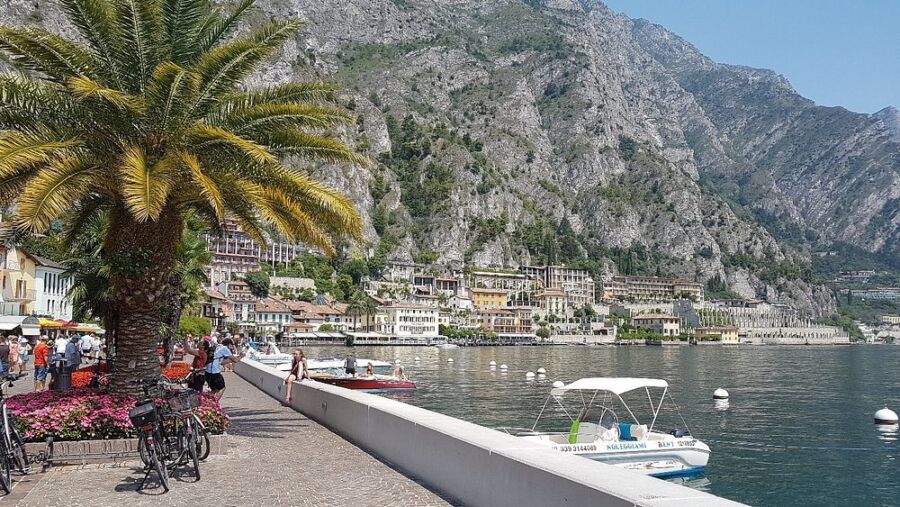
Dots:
pixel 720 394
pixel 886 416
pixel 503 367
pixel 529 374
pixel 559 384
pixel 449 359
pixel 417 358
pixel 542 371
pixel 492 363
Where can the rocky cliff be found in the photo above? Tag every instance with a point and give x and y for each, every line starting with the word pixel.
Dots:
pixel 517 131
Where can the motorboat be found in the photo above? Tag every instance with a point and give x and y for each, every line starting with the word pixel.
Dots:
pixel 447 346
pixel 596 431
pixel 331 371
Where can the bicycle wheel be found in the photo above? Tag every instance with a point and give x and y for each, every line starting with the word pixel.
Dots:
pixel 5 483
pixel 159 463
pixel 142 451
pixel 193 450
pixel 202 439
pixel 18 451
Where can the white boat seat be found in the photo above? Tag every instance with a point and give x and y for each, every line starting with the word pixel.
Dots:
pixel 639 431
pixel 608 434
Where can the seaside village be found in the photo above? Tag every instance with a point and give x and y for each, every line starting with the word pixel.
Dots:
pixel 419 304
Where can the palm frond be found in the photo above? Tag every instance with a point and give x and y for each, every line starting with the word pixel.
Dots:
pixel 203 135
pixel 329 206
pixel 95 20
pixel 289 217
pixel 208 187
pixel 31 105
pixel 140 26
pixel 87 88
pixel 170 92
pixel 217 28
pixel 11 186
pixel 51 193
pixel 313 91
pixel 292 141
pixel 184 20
pixel 265 116
pixel 224 67
pixel 38 50
pixel 145 185
pixel 19 151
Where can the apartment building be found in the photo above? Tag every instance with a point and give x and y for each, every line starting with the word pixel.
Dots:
pixel 17 283
pixel 489 298
pixel 51 288
pixel 652 289
pixel 234 254
pixel 577 284
pixel 407 321
pixel 666 325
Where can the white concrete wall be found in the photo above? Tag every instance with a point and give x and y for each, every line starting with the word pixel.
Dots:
pixel 474 465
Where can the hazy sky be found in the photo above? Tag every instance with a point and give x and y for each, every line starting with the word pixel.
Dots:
pixel 837 53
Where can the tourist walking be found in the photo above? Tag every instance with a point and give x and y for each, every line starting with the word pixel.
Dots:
pixel 198 365
pixel 350 365
pixel 73 354
pixel 4 356
pixel 24 354
pixel 60 344
pixel 298 372
pixel 221 356
pixel 228 342
pixel 41 358
pixel 87 344
pixel 13 355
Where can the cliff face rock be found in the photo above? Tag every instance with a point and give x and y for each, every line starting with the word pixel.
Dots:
pixel 516 131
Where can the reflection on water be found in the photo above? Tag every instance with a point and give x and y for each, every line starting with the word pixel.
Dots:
pixel 797 429
pixel 888 432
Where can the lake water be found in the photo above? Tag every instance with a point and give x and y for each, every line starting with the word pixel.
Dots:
pixel 799 429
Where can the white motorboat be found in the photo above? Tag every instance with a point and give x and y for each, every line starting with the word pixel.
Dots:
pixel 447 346
pixel 597 433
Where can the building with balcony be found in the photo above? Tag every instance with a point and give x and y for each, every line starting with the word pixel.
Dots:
pixel 652 289
pixel 272 316
pixel 510 323
pixel 51 288
pixel 17 284
pixel 234 254
pixel 727 334
pixel 577 284
pixel 407 321
pixel 489 298
pixel 658 323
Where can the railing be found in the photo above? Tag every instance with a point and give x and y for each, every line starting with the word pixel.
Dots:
pixel 14 295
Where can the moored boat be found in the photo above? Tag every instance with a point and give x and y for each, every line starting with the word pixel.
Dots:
pixel 370 383
pixel 597 433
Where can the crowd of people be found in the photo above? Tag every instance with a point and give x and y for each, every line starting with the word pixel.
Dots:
pixel 65 352
pixel 211 358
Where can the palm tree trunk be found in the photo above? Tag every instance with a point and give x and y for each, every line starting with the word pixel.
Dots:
pixel 142 259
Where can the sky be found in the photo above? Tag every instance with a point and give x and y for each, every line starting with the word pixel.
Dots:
pixel 837 53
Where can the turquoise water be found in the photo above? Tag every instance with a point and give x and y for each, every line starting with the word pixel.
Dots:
pixel 798 431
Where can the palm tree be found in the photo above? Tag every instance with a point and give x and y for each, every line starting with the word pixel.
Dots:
pixel 145 118
pixel 357 305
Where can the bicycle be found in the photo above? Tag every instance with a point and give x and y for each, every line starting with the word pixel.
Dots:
pixel 12 446
pixel 145 417
pixel 203 446
pixel 179 427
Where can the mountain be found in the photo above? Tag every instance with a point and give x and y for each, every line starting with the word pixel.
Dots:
pixel 890 116
pixel 519 131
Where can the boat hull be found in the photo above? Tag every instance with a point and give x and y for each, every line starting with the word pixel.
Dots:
pixel 366 384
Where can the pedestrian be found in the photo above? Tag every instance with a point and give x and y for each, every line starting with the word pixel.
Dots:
pixel 60 344
pixel 13 355
pixel 41 357
pixel 95 350
pixel 87 344
pixel 198 365
pixel 215 380
pixel 350 365
pixel 73 354
pixel 24 353
pixel 4 357
pixel 298 372
pixel 228 342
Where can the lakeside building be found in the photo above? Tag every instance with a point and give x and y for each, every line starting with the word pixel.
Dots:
pixel 880 293
pixel 512 323
pixel 576 283
pixel 51 289
pixel 489 298
pixel 272 316
pixel 407 321
pixel 553 302
pixel 217 308
pixel 890 319
pixel 666 325
pixel 17 283
pixel 727 334
pixel 234 254
pixel 652 289
pixel 240 299
pixel 516 284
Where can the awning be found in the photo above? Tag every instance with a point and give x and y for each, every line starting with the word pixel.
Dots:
pixel 29 325
pixel 52 324
pixel 615 385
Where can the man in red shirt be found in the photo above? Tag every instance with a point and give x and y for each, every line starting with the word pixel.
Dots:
pixel 41 355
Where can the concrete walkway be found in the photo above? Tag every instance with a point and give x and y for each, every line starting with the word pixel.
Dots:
pixel 277 457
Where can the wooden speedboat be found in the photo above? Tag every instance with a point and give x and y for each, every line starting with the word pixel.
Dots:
pixel 370 383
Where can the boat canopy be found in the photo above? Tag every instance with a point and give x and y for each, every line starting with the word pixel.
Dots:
pixel 615 385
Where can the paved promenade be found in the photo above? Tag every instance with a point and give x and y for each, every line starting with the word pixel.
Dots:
pixel 276 457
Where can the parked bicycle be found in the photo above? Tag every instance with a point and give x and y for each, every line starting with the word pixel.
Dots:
pixel 202 434
pixel 12 446
pixel 145 418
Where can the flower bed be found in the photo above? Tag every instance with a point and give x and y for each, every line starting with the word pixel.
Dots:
pixel 82 377
pixel 83 414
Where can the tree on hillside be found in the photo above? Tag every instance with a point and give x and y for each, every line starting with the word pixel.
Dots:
pixel 145 117
pixel 258 281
